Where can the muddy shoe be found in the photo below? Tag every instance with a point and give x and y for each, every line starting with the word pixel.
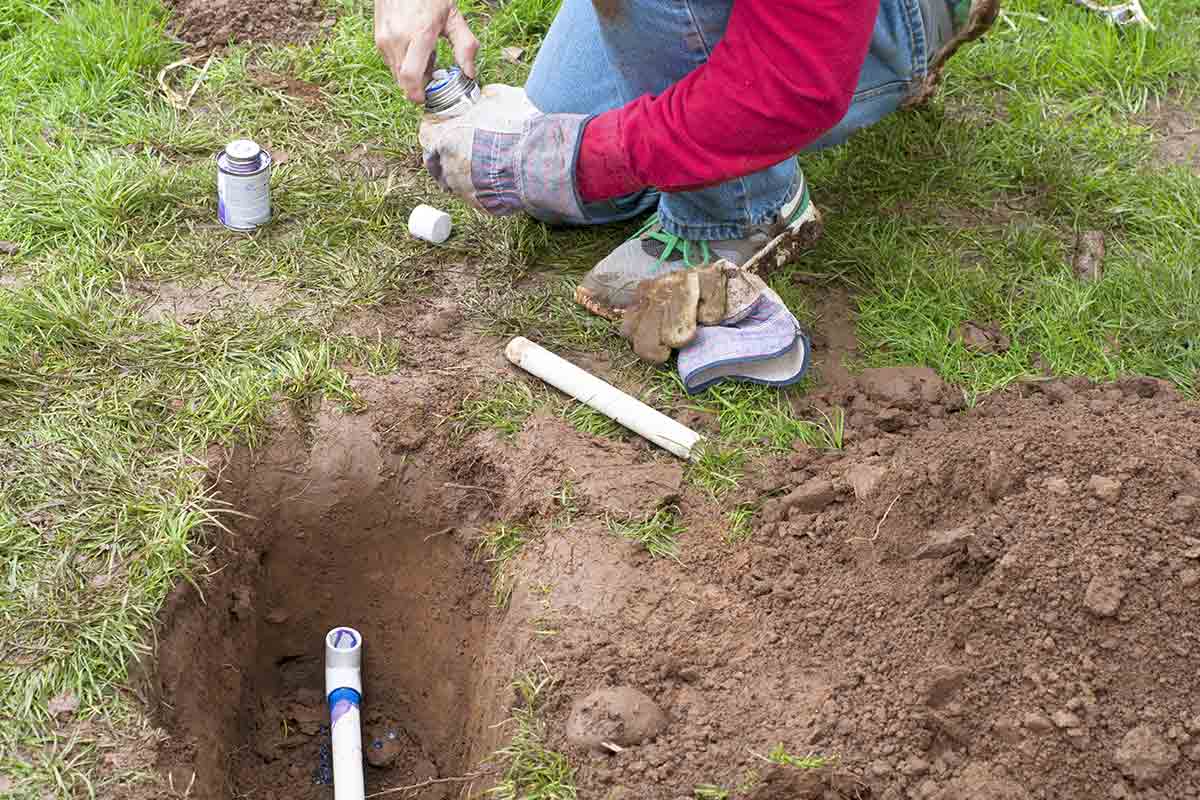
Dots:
pixel 610 287
pixel 952 23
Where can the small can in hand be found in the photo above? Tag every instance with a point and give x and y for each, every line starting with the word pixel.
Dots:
pixel 450 93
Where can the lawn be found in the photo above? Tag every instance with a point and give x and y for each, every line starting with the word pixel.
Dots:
pixel 967 210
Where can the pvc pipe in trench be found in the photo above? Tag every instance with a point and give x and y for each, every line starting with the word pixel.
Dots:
pixel 603 397
pixel 343 688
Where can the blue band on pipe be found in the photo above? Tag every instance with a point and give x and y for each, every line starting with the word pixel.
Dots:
pixel 344 693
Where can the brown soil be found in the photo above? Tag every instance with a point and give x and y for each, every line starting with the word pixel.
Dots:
pixel 1177 129
pixel 208 24
pixel 921 605
pixel 996 602
pixel 187 304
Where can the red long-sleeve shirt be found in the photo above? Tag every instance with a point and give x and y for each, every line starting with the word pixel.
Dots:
pixel 782 76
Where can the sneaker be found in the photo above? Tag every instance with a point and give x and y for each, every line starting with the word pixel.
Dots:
pixel 951 24
pixel 609 288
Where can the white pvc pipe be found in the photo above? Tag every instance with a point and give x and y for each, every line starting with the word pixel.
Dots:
pixel 603 397
pixel 343 689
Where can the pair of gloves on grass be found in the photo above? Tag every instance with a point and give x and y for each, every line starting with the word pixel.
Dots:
pixel 504 157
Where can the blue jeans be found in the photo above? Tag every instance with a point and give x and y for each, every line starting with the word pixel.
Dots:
pixel 591 62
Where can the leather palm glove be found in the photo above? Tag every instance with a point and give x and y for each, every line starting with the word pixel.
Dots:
pixel 504 156
pixel 667 309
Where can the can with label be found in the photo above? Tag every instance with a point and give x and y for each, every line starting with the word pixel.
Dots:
pixel 450 93
pixel 243 186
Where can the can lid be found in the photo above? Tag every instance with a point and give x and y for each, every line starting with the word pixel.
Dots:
pixel 440 78
pixel 243 150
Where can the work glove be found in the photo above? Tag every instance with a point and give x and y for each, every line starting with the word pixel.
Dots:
pixel 667 309
pixel 504 156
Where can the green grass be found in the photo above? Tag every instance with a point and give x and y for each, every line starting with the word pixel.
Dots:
pixel 1040 117
pixel 739 520
pixel 505 406
pixel 531 770
pixel 658 534
pixel 498 545
pixel 779 755
pixel 965 210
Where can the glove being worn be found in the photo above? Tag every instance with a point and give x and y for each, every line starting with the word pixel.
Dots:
pixel 504 156
pixel 667 309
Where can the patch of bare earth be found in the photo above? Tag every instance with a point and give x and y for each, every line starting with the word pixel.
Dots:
pixel 1177 133
pixel 209 24
pixel 188 304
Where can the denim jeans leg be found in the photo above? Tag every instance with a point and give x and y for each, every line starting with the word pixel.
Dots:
pixel 600 54
pixel 652 44
pixel 572 74
pixel 895 65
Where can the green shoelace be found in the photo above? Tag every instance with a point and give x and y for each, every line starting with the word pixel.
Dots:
pixel 672 243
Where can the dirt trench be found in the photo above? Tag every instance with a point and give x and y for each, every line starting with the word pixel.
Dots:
pixel 334 524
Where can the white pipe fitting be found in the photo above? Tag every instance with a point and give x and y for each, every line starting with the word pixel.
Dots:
pixel 429 223
pixel 343 689
pixel 603 397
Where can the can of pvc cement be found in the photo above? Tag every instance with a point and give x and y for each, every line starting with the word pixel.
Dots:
pixel 450 93
pixel 243 186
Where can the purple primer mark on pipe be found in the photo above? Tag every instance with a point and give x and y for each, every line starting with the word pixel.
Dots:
pixel 342 634
pixel 339 710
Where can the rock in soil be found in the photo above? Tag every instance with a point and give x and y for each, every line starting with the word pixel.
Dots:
pixel 944 543
pixel 979 783
pixel 1145 757
pixel 621 715
pixel 1104 594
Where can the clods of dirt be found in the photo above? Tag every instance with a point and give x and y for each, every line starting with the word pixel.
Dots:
pixel 935 629
pixel 619 715
pixel 604 476
pixel 292 87
pixel 209 24
pixel 882 400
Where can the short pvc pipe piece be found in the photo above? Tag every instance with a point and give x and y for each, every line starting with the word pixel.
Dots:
pixel 429 223
pixel 603 397
pixel 343 688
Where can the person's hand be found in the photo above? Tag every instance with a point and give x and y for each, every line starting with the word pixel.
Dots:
pixel 406 33
pixel 504 156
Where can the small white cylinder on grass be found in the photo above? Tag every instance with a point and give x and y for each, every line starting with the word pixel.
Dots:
pixel 603 397
pixel 429 223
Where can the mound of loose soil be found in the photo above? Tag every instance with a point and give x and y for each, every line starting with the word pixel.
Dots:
pixel 1003 609
pixel 207 24
pixel 997 602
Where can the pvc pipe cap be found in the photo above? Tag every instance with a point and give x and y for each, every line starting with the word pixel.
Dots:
pixel 430 224
pixel 343 659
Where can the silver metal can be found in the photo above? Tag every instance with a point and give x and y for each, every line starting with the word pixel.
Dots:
pixel 450 93
pixel 243 186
